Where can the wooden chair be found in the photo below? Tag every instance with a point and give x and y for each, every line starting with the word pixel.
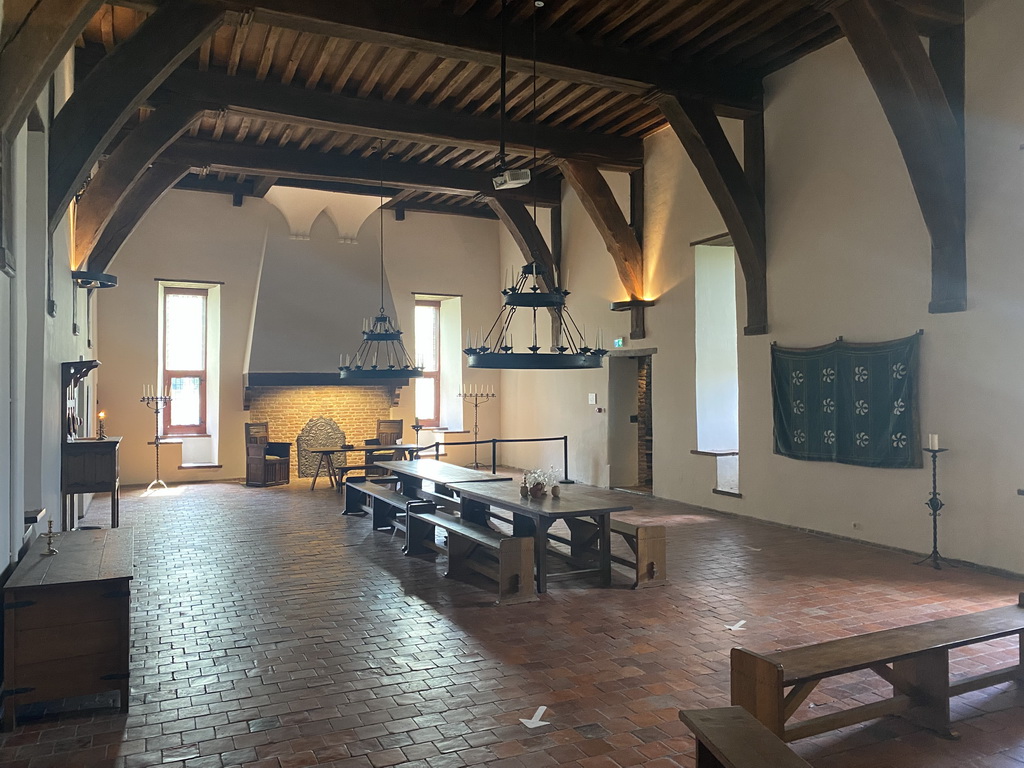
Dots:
pixel 266 463
pixel 390 431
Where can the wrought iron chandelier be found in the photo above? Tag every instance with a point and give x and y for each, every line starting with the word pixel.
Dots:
pixel 497 349
pixel 381 355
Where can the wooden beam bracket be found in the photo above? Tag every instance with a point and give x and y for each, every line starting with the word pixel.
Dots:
pixel 922 95
pixel 734 190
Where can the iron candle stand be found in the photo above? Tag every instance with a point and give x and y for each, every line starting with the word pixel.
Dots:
pixel 476 399
pixel 156 403
pixel 934 503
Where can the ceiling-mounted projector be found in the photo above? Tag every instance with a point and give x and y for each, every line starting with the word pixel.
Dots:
pixel 512 179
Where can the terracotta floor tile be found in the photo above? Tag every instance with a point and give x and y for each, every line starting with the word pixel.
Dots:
pixel 270 631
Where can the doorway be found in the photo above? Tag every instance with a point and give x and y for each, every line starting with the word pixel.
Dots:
pixel 630 424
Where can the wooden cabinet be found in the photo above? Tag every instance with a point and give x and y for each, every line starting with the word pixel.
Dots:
pixel 266 463
pixel 66 619
pixel 89 466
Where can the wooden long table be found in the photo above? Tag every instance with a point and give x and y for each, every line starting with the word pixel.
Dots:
pixel 411 474
pixel 533 517
pixel 327 456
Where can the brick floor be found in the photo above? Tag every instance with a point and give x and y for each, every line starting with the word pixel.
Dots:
pixel 268 631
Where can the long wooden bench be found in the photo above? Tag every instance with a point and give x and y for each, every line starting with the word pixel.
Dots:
pixel 386 506
pixel 913 659
pixel 647 543
pixel 508 560
pixel 730 737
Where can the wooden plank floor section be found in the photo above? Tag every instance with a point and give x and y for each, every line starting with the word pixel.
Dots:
pixel 271 632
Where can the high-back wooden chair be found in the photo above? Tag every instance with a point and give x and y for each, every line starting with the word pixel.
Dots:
pixel 390 431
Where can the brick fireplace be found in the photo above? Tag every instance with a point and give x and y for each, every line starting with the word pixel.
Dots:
pixel 286 410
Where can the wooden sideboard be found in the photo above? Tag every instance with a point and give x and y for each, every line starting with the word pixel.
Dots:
pixel 89 466
pixel 66 619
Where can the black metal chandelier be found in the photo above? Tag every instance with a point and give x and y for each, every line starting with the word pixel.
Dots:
pixel 381 355
pixel 497 348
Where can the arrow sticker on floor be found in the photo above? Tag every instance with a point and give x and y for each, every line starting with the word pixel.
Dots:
pixel 535 721
pixel 737 626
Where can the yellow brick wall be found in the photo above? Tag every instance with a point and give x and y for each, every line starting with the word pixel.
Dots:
pixel 287 409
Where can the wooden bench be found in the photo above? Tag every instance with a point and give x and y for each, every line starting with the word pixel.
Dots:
pixel 913 659
pixel 730 737
pixel 386 506
pixel 340 472
pixel 505 559
pixel 647 543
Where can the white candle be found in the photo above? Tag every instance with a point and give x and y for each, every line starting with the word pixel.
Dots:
pixel 933 442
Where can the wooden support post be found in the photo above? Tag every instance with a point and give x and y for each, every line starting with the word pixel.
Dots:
pixel 116 87
pixel 123 169
pixel 150 187
pixel 922 98
pixel 596 196
pixel 701 135
pixel 528 237
pixel 29 57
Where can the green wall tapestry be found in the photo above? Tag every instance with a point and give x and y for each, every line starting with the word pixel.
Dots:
pixel 850 403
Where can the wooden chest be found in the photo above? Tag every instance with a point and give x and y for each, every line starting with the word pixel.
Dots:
pixel 66 619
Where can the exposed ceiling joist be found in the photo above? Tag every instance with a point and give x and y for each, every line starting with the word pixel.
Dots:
pixel 30 55
pixel 285 162
pixel 390 120
pixel 154 183
pixel 421 28
pixel 116 88
pixel 123 169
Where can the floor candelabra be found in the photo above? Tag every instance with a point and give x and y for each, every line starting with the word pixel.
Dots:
pixel 934 503
pixel 156 403
pixel 476 398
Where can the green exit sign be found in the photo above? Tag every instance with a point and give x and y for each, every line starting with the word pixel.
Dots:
pixel 618 343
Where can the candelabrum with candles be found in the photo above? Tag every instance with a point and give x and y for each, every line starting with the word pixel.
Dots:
pixel 934 503
pixel 101 432
pixel 156 403
pixel 476 396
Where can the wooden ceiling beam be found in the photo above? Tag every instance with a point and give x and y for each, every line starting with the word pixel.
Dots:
pixel 397 121
pixel 151 186
pixel 923 103
pixel 733 191
pixel 527 235
pixel 31 54
pixel 292 163
pixel 116 87
pixel 123 169
pixel 416 27
pixel 599 202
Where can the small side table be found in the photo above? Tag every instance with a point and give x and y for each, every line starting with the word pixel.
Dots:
pixel 89 466
pixel 326 456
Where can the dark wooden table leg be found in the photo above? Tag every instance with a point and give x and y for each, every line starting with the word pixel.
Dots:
pixel 330 469
pixel 604 523
pixel 115 505
pixel 312 485
pixel 540 552
pixel 474 512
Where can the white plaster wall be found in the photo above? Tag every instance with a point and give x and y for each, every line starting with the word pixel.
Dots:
pixel 554 403
pixel 187 236
pixel 848 254
pixel 312 293
pixel 437 254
